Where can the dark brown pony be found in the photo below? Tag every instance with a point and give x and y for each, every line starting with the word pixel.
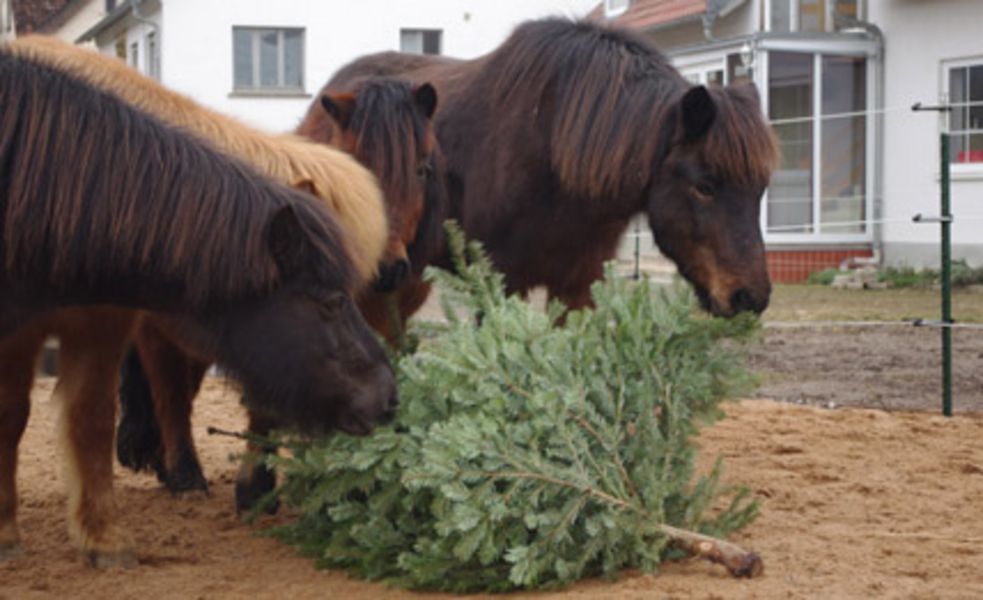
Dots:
pixel 106 209
pixel 557 138
pixel 386 125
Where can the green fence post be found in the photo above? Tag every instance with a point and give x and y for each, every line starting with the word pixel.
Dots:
pixel 946 221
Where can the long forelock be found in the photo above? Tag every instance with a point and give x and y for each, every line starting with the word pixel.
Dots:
pixel 740 146
pixel 390 134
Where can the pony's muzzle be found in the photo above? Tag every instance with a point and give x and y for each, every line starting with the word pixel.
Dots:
pixel 377 406
pixel 391 275
pixel 744 300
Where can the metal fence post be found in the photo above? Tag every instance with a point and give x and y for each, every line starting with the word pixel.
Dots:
pixel 945 221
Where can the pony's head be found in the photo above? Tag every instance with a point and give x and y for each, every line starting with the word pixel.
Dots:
pixel 387 124
pixel 306 357
pixel 704 200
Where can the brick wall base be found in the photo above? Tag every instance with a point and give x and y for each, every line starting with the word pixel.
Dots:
pixel 794 266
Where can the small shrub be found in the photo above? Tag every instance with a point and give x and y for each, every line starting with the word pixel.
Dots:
pixel 964 275
pixel 824 277
pixel 902 277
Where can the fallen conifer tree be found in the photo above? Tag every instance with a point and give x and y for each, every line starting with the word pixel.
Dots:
pixel 526 454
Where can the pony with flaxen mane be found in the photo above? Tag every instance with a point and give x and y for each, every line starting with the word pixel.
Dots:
pixel 386 125
pixel 104 208
pixel 558 137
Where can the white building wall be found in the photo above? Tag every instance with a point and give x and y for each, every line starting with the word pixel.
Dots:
pixel 197 41
pixel 919 37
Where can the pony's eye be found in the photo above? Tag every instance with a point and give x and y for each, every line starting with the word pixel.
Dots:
pixel 332 305
pixel 703 191
pixel 423 171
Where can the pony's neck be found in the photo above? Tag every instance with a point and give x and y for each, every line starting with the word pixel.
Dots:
pixel 198 337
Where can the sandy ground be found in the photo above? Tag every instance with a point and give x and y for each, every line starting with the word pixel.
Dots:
pixel 856 503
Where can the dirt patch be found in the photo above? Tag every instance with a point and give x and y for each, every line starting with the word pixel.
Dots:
pixel 855 503
pixel 882 366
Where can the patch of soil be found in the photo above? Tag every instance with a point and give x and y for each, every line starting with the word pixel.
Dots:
pixel 855 503
pixel 891 367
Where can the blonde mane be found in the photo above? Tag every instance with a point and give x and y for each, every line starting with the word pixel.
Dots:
pixel 350 191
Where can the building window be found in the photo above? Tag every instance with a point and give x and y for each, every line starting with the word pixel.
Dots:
pixel 817 106
pixel 153 56
pixel 613 8
pixel 708 75
pixel 966 117
pixel 737 70
pixel 420 41
pixel 268 60
pixel 134 55
pixel 810 16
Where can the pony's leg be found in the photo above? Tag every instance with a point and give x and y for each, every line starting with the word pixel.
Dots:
pixel 573 297
pixel 17 355
pixel 255 479
pixel 92 343
pixel 575 294
pixel 138 444
pixel 174 379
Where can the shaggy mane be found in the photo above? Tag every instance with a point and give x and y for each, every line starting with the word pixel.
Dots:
pixel 612 94
pixel 347 188
pixel 95 194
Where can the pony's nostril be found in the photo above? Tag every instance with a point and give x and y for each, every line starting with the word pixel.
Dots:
pixel 400 270
pixel 743 300
pixel 391 275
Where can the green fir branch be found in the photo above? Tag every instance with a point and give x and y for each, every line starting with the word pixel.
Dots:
pixel 526 454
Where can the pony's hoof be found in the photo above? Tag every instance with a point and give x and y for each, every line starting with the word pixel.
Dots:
pixel 253 493
pixel 124 559
pixel 9 550
pixel 186 476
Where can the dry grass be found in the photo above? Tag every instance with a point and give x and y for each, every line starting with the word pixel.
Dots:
pixel 822 303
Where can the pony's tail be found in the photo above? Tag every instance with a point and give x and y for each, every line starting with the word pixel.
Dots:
pixel 138 443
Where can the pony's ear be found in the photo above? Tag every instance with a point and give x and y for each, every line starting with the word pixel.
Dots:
pixel 286 240
pixel 698 112
pixel 306 185
pixel 340 107
pixel 425 97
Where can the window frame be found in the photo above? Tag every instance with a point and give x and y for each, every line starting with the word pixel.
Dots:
pixel 794 13
pixel 257 89
pixel 945 72
pixel 761 75
pixel 152 55
pixel 423 31
pixel 6 16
